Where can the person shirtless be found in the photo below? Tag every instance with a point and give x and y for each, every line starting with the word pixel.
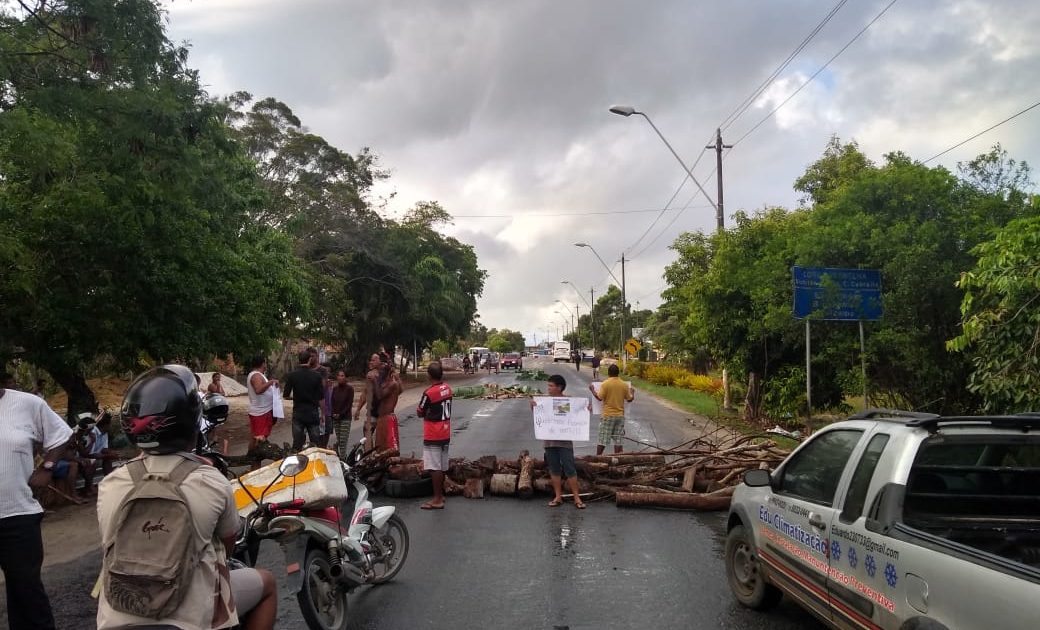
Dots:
pixel 388 390
pixel 368 397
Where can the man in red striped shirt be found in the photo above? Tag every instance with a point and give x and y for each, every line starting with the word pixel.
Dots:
pixel 435 411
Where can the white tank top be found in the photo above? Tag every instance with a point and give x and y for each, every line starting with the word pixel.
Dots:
pixel 259 404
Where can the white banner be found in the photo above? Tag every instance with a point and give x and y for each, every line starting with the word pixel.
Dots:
pixel 561 419
pixel 277 410
pixel 597 404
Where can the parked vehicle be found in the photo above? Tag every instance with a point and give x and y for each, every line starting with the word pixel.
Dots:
pixel 561 351
pixel 329 563
pixel 512 360
pixel 897 520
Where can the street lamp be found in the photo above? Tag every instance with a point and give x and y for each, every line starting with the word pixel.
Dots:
pixel 592 320
pixel 624 302
pixel 628 110
pixel 576 326
pixel 565 322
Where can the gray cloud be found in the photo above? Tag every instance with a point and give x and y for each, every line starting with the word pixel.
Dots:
pixel 500 108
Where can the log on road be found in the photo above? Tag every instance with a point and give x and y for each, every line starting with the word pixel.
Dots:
pixel 679 501
pixel 622 459
pixel 503 485
pixel 525 484
pixel 474 488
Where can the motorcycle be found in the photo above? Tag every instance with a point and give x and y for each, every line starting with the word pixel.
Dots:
pixel 325 563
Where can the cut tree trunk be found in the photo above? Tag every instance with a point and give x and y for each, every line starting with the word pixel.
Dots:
pixel 625 459
pixel 753 400
pixel 701 502
pixel 503 485
pixel 524 485
pixel 405 471
pixel 689 479
pixel 474 488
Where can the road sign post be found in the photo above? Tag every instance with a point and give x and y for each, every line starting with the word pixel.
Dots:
pixel 836 294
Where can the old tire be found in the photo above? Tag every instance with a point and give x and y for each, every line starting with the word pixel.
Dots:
pixel 744 572
pixel 408 488
pixel 322 601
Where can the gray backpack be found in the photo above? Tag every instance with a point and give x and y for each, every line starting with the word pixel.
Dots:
pixel 154 550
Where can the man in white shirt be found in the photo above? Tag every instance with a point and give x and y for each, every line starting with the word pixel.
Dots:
pixel 25 420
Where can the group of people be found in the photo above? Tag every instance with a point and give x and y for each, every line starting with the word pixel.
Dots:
pixel 323 406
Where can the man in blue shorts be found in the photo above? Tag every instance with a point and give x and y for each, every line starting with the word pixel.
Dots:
pixel 559 455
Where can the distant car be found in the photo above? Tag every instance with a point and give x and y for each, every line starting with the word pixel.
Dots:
pixel 512 360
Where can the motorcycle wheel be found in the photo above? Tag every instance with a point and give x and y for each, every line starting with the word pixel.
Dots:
pixel 393 538
pixel 322 601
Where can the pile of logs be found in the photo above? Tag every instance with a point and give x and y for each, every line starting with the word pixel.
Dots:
pixel 697 475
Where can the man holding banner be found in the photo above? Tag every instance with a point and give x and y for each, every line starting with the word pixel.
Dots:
pixel 556 416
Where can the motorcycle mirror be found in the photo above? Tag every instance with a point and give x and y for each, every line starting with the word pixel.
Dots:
pixel 293 465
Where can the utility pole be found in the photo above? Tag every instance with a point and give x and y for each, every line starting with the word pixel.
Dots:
pixel 592 316
pixel 624 313
pixel 720 217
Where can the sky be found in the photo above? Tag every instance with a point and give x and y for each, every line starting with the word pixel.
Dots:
pixel 499 111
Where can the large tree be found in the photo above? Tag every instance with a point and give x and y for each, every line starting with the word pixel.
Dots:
pixel 124 202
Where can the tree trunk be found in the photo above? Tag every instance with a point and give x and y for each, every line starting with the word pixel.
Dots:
pixel 753 401
pixel 81 397
pixel 625 459
pixel 524 485
pixel 474 488
pixel 503 485
pixel 703 502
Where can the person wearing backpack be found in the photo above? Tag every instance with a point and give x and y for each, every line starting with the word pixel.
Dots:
pixel 168 522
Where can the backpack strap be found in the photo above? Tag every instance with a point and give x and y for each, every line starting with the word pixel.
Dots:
pixel 137 470
pixel 181 471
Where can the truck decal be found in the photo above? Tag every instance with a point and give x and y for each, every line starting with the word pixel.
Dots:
pixel 794 531
pixel 839 577
pixel 874 546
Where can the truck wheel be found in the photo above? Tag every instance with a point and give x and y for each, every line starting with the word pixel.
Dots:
pixel 744 572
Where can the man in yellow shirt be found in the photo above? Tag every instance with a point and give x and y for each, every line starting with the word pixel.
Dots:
pixel 614 393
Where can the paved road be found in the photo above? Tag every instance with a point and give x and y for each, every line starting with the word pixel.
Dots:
pixel 507 563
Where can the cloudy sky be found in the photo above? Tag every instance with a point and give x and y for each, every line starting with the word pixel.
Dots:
pixel 499 110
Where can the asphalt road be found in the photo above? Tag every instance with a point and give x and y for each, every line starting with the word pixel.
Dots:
pixel 508 563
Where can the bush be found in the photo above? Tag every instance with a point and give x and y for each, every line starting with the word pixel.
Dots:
pixel 664 374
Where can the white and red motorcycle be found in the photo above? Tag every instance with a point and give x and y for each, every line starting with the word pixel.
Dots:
pixel 324 562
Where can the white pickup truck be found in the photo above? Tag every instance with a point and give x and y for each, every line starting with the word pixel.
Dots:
pixel 899 521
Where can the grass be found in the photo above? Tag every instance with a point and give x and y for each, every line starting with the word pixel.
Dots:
pixel 694 402
pixel 705 405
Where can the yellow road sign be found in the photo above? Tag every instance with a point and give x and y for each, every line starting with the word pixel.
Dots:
pixel 632 346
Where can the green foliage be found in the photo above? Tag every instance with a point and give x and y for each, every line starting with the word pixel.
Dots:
pixel 377 282
pixel 694 402
pixel 125 203
pixel 1001 332
pixel 731 292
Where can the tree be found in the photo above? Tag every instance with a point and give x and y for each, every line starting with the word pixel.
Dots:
pixel 125 203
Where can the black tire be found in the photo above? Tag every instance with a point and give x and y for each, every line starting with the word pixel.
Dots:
pixel 408 488
pixel 744 572
pixel 393 538
pixel 322 601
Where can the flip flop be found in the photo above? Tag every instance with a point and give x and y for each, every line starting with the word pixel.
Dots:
pixel 555 503
pixel 580 506
pixel 430 506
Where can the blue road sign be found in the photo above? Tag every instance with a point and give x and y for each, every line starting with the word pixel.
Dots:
pixel 826 293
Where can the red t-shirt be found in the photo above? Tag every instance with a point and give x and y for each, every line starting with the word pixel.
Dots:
pixel 435 410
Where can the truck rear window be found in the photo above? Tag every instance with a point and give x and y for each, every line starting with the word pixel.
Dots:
pixel 992 476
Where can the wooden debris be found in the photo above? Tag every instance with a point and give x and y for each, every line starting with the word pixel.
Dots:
pixel 699 474
pixel 474 488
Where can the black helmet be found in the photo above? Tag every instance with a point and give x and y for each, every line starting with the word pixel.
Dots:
pixel 161 410
pixel 215 408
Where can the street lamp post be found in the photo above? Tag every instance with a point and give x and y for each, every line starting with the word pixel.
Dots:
pixel 575 324
pixel 565 323
pixel 628 110
pixel 624 301
pixel 592 320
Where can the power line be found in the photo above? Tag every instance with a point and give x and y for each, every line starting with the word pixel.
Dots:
pixel 988 129
pixel 729 120
pixel 749 101
pixel 556 214
pixel 670 223
pixel 815 74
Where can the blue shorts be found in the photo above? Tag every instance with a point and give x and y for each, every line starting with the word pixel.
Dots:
pixel 61 469
pixel 560 459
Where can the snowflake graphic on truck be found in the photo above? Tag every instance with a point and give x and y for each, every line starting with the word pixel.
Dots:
pixel 891 576
pixel 852 557
pixel 835 550
pixel 870 565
